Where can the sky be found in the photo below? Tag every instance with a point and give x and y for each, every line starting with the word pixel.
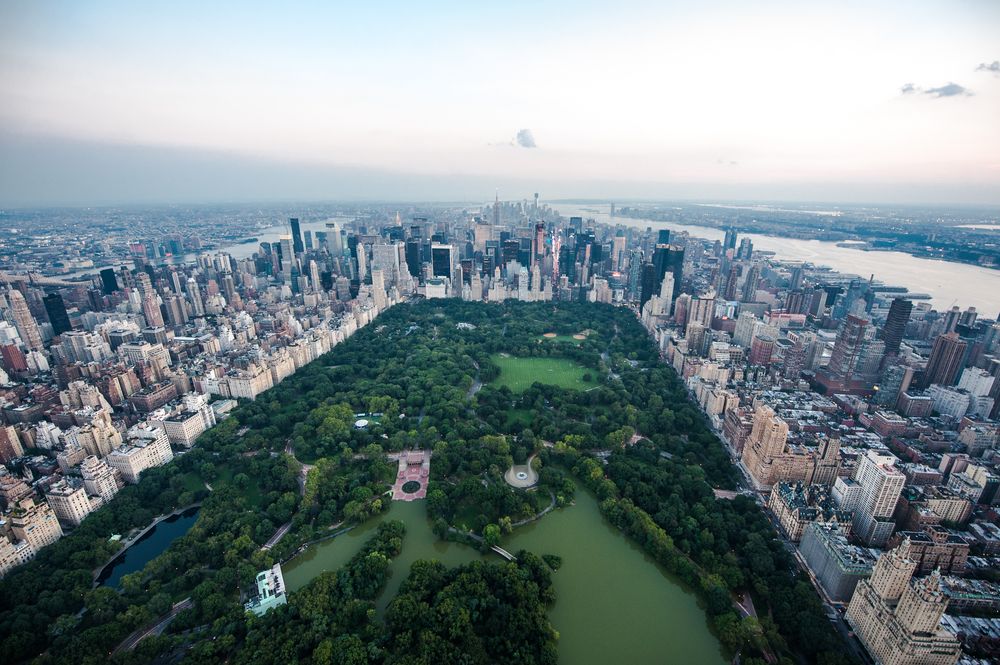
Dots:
pixel 126 102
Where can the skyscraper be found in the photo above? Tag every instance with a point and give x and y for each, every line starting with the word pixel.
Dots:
pixel 287 256
pixel 56 309
pixel 442 260
pixel 413 257
pixel 895 324
pixel 666 258
pixel 297 246
pixel 897 618
pixel 25 323
pixel 946 360
pixel 881 484
pixel 618 251
pixel 846 349
pixel 108 282
pixel 730 240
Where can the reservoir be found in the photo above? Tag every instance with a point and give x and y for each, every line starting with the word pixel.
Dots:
pixel 947 283
pixel 148 547
pixel 612 599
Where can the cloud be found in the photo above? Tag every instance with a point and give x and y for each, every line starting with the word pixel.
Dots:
pixel 950 89
pixel 525 139
pixel 989 67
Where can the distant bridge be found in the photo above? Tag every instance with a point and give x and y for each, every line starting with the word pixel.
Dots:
pixel 37 279
pixel 504 553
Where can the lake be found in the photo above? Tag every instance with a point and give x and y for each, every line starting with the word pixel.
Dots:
pixel 148 547
pixel 614 603
pixel 946 282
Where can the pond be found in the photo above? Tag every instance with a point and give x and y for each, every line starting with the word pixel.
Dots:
pixel 614 603
pixel 148 547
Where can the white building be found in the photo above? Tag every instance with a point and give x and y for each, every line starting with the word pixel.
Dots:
pixel 35 524
pixel 69 502
pixel 881 484
pixel 99 479
pixel 147 447
pixel 185 427
pixel 950 401
pixel 14 554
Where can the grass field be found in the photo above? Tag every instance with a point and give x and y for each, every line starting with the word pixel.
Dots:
pixel 519 373
pixel 560 338
pixel 193 482
pixel 520 417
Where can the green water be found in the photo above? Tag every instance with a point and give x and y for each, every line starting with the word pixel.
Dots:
pixel 614 604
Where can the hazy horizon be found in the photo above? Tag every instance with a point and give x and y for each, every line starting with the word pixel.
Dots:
pixel 116 103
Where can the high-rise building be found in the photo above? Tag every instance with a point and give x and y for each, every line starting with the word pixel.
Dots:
pixel 442 260
pixel 761 350
pixel 895 324
pixel 946 360
pixel 25 323
pixel 297 246
pixel 69 502
pixel 749 293
pixel 56 309
pixel 194 295
pixel 730 240
pixel 880 484
pixel 10 444
pixel 768 459
pixel 855 360
pixel 287 256
pixel 147 447
pixel 99 479
pixel 378 288
pixel 108 282
pixel 618 251
pixel 35 523
pixel 666 258
pixel 896 618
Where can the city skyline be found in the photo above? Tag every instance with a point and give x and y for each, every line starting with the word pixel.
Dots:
pixel 110 104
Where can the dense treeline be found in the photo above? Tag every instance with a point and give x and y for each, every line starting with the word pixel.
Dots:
pixel 476 613
pixel 415 373
pixel 330 620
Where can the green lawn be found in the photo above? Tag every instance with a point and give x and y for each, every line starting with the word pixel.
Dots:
pixel 193 482
pixel 520 418
pixel 560 338
pixel 519 373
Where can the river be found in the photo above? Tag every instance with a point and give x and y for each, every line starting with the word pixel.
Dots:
pixel 614 603
pixel 947 283
pixel 148 547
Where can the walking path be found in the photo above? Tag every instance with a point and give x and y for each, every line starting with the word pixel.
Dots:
pixel 278 535
pixel 157 628
pixel 537 516
pixel 521 476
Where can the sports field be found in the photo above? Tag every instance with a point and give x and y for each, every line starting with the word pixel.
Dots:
pixel 519 373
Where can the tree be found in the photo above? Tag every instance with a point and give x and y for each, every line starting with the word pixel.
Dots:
pixel 491 535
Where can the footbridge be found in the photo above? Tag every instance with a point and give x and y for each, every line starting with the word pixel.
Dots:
pixel 504 553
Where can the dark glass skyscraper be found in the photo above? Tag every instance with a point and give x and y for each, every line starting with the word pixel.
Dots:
pixel 895 324
pixel 56 309
pixel 297 246
pixel 666 258
pixel 109 283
